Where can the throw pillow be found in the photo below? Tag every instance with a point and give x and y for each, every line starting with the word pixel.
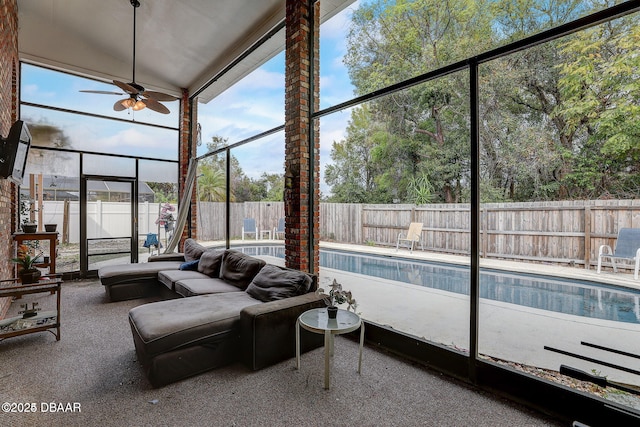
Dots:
pixel 274 283
pixel 192 250
pixel 210 262
pixel 239 269
pixel 189 265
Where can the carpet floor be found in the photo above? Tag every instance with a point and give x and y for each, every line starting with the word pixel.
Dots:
pixel 91 377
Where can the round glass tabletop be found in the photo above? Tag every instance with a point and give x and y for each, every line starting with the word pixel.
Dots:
pixel 318 319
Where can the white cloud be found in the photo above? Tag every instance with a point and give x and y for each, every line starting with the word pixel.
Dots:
pixel 338 26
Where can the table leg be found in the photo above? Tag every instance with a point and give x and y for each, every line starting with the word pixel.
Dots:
pixel 298 344
pixel 361 345
pixel 59 291
pixel 332 345
pixel 327 355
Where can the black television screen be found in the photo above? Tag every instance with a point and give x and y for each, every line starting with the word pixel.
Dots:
pixel 15 149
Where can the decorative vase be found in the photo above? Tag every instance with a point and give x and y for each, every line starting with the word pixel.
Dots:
pixel 50 228
pixel 29 276
pixel 332 312
pixel 29 228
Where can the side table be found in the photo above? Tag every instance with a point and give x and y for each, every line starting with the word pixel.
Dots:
pixel 52 237
pixel 43 321
pixel 317 320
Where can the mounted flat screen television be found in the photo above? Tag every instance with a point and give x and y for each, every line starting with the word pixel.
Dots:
pixel 14 151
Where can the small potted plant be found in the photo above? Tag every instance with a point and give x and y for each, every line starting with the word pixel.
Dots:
pixel 28 272
pixel 336 297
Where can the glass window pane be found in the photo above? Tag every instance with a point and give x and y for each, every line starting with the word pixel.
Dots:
pixel 60 200
pixel 58 129
pixel 381 175
pixel 257 184
pixel 158 204
pixel 550 116
pixel 108 166
pixel 63 90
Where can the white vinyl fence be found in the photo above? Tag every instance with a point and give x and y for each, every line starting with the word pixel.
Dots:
pixel 104 219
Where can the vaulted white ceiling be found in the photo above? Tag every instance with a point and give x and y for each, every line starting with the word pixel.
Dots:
pixel 179 43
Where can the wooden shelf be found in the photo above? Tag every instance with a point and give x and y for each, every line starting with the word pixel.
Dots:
pixel 52 237
pixel 43 321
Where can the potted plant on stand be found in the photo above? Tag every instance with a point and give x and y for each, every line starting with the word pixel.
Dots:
pixel 336 297
pixel 27 271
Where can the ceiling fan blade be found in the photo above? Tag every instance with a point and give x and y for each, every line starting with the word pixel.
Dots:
pixel 155 106
pixel 131 90
pixel 158 96
pixel 104 92
pixel 118 105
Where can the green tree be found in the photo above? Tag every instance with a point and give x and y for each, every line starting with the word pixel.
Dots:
pixel 164 192
pixel 355 165
pixel 602 93
pixel 275 186
pixel 212 184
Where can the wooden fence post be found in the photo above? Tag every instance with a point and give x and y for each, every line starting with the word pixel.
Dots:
pixel 587 237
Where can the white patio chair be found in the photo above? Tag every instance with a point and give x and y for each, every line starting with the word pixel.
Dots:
pixel 627 248
pixel 413 236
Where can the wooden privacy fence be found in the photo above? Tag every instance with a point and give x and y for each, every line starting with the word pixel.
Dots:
pixel 568 232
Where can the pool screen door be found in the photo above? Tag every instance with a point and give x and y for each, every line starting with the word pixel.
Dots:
pixel 107 222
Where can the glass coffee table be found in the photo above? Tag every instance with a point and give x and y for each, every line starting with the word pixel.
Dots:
pixel 317 321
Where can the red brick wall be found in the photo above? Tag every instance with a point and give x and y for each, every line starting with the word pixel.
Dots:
pixel 298 141
pixel 8 113
pixel 187 144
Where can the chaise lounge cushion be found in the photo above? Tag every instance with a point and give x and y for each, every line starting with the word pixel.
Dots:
pixel 239 269
pixel 117 274
pixel 274 283
pixel 165 326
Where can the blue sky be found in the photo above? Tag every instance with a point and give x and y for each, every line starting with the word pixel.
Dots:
pixel 252 106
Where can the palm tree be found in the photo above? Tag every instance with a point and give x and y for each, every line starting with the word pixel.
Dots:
pixel 212 185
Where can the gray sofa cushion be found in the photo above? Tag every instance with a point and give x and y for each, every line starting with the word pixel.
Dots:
pixel 193 287
pixel 134 272
pixel 192 250
pixel 239 269
pixel 167 325
pixel 274 283
pixel 210 263
pixel 170 277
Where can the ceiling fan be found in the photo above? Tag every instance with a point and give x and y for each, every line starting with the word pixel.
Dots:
pixel 138 98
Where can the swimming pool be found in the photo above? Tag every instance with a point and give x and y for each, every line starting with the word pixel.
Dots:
pixel 579 298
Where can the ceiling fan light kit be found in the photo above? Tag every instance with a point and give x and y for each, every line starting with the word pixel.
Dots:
pixel 139 98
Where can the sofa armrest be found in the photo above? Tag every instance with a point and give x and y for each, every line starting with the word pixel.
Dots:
pixel 268 330
pixel 167 257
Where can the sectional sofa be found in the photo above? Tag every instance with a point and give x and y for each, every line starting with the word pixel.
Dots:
pixel 220 306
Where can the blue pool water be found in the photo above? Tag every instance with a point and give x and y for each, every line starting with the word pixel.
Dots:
pixel 580 298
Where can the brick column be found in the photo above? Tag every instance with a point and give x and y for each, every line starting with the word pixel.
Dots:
pixel 302 138
pixel 187 144
pixel 8 114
